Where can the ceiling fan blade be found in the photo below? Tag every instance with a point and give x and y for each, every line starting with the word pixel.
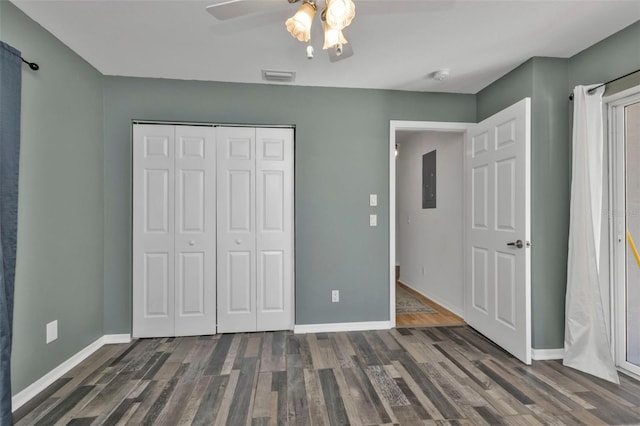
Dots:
pixel 229 9
pixel 385 7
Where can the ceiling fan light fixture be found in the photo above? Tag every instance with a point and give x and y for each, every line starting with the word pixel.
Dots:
pixel 340 13
pixel 299 25
pixel 332 36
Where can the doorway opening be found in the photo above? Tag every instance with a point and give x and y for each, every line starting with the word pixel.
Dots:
pixel 496 226
pixel 426 245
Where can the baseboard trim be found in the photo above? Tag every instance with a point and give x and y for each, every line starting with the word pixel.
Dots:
pixel 445 305
pixel 547 354
pixel 116 339
pixel 341 326
pixel 24 396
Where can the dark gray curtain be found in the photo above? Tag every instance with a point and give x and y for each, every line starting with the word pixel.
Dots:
pixel 10 94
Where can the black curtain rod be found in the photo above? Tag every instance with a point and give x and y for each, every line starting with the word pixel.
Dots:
pixel 32 65
pixel 593 89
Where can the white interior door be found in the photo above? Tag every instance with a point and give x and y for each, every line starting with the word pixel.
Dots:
pixel 195 231
pixel 274 226
pixel 497 229
pixel 153 228
pixel 236 229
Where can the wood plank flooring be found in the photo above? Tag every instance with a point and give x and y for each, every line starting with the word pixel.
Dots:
pixel 406 376
pixel 442 316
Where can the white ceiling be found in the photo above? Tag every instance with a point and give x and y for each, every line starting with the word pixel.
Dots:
pixel 397 43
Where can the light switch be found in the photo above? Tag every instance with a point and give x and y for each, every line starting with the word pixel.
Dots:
pixel 373 220
pixel 373 200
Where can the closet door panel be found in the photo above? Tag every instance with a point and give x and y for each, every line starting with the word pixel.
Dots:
pixel 272 298
pixel 274 222
pixel 191 285
pixel 239 206
pixel 195 233
pixel 156 200
pixel 153 227
pixel 239 266
pixel 156 285
pixel 236 229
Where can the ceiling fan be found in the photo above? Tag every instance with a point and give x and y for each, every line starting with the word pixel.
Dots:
pixel 335 16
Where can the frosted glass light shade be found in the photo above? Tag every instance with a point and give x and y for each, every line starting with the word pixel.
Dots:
pixel 340 13
pixel 299 25
pixel 332 36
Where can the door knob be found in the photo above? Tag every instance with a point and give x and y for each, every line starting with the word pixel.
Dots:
pixel 238 242
pixel 192 243
pixel 517 244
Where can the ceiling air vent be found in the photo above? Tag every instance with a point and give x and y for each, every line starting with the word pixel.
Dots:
pixel 279 76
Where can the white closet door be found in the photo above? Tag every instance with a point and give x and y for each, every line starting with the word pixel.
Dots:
pixel 153 227
pixel 195 231
pixel 274 226
pixel 236 229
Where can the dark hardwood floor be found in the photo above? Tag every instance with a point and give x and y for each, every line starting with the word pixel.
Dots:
pixel 408 376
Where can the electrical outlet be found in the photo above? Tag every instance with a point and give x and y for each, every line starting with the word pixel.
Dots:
pixel 373 200
pixel 373 220
pixel 335 296
pixel 52 331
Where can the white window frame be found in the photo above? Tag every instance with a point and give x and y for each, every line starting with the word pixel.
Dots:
pixel 614 110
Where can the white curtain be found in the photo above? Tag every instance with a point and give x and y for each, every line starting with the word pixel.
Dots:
pixel 587 344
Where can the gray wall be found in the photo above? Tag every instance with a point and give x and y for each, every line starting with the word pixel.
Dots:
pixel 548 81
pixel 506 91
pixel 612 57
pixel 545 81
pixel 60 231
pixel 342 143
pixel 550 183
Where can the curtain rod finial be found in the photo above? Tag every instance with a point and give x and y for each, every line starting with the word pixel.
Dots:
pixel 32 65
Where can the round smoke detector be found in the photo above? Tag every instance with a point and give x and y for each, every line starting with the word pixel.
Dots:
pixel 441 75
